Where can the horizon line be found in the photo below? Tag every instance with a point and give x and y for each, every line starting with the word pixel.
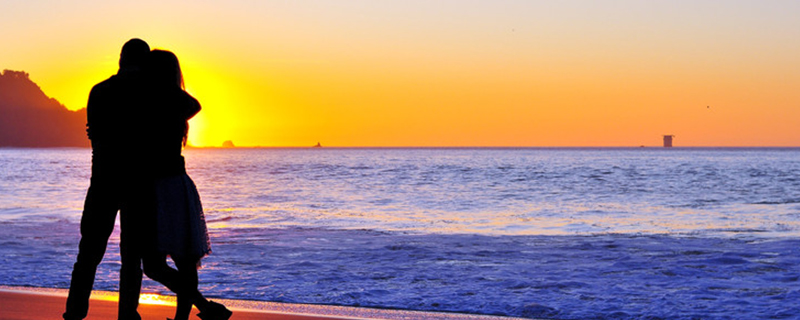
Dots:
pixel 441 147
pixel 488 147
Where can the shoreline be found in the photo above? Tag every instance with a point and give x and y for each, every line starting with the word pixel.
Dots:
pixel 49 304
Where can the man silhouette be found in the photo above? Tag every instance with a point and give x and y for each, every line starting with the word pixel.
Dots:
pixel 113 113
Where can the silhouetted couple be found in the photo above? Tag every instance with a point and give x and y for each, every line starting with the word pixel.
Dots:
pixel 138 123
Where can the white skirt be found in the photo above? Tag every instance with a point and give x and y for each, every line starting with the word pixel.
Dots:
pixel 180 222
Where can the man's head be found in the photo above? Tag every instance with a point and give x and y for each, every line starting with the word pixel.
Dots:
pixel 134 54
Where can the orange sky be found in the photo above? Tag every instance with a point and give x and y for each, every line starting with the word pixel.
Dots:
pixel 441 73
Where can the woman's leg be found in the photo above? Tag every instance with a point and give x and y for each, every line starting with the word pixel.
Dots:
pixel 183 282
pixel 189 295
pixel 187 268
pixel 156 268
pixel 187 271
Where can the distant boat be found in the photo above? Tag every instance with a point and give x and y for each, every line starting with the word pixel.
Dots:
pixel 317 146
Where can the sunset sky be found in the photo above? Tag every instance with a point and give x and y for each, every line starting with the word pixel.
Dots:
pixel 440 73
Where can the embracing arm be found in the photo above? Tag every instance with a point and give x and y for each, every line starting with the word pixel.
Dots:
pixel 193 107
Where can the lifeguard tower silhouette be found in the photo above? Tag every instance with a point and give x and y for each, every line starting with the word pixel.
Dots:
pixel 668 140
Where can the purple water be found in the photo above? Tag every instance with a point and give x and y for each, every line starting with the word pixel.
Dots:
pixel 545 233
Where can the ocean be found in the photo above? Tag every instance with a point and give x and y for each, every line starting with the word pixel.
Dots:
pixel 553 233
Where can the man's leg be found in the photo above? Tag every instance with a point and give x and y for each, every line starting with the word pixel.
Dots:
pixel 97 223
pixel 130 274
pixel 137 221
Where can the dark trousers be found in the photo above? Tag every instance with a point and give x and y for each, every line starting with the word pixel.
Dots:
pixel 130 279
pixel 106 196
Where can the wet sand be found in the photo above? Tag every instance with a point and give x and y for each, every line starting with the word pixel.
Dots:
pixel 40 304
pixel 35 306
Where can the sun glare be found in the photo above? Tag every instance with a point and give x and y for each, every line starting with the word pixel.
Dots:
pixel 216 95
pixel 144 298
pixel 156 299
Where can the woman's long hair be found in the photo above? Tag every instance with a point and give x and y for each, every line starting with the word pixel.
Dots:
pixel 165 71
pixel 165 68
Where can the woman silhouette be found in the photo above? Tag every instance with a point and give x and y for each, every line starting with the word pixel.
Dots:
pixel 180 227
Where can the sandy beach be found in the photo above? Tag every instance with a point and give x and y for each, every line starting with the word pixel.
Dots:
pixel 36 306
pixel 42 303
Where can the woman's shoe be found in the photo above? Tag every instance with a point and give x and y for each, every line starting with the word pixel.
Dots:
pixel 215 311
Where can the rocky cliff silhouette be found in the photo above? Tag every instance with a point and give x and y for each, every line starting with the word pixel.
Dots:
pixel 28 118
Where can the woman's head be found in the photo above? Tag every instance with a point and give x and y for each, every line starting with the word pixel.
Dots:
pixel 165 68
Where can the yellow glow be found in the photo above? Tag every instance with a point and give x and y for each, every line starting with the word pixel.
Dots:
pixel 106 297
pixel 155 299
pixel 144 298
pixel 218 96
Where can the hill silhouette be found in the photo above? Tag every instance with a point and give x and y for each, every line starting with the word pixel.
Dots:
pixel 29 118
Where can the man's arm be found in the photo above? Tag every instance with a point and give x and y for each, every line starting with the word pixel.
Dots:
pixel 91 110
pixel 97 117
